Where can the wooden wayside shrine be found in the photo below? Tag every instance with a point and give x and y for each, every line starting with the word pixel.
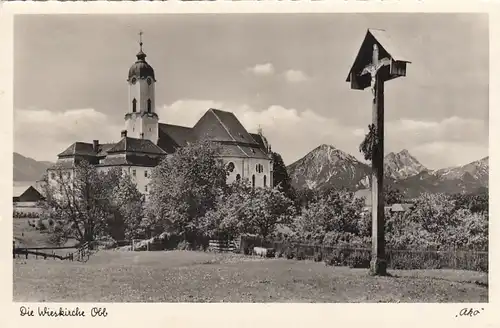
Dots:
pixel 377 61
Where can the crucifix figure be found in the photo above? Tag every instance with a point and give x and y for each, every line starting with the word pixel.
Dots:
pixel 375 66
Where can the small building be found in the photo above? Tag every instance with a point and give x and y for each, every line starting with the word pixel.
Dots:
pixel 26 201
pixel 23 194
pixel 367 196
pixel 402 207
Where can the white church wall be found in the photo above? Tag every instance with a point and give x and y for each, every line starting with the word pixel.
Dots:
pixel 150 128
pixel 247 168
pixel 141 175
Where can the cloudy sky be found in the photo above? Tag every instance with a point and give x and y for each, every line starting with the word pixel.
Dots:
pixel 284 72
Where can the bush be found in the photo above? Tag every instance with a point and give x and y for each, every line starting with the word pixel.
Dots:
pixel 409 260
pixel 270 252
pixel 289 252
pixel 359 260
pixel 183 246
pixel 330 259
pixel 247 250
pixel 318 256
pixel 40 225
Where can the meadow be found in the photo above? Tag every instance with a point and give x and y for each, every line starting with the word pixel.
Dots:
pixel 189 276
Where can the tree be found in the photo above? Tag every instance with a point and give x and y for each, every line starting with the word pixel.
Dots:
pixel 392 195
pixel 333 218
pixel 184 187
pixel 78 200
pixel 264 209
pixel 244 209
pixel 281 179
pixel 126 205
pixel 227 220
pixel 477 202
pixel 305 196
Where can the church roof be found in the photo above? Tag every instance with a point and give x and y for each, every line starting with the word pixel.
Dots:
pixel 243 151
pixel 215 125
pixel 79 148
pixel 103 149
pixel 134 145
pixel 259 139
pixel 141 69
pixel 218 125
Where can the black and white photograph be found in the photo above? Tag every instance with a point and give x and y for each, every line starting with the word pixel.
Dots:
pixel 251 158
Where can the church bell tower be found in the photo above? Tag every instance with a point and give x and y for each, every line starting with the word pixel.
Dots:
pixel 141 120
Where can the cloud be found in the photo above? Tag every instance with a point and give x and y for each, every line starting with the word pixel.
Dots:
pixel 441 154
pixel 452 141
pixel 295 76
pixel 262 69
pixel 42 134
pixel 186 112
pixel 452 129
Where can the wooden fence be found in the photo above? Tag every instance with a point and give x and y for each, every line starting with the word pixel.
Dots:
pixel 361 256
pixel 223 245
pixel 81 254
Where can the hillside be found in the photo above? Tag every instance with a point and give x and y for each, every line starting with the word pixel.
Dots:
pixel 28 169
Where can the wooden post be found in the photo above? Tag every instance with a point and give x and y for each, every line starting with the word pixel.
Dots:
pixel 378 265
pixel 375 64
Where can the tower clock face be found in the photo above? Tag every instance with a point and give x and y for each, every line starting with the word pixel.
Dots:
pixel 149 81
pixel 134 80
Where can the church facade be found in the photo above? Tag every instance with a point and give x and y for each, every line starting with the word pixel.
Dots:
pixel 145 141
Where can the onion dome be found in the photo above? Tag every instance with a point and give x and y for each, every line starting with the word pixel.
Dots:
pixel 141 69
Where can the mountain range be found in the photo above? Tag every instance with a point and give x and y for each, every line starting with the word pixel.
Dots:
pixel 28 169
pixel 327 166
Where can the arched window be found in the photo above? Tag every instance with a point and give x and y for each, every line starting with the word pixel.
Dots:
pixel 238 177
pixel 265 181
pixel 253 181
pixel 134 105
pixel 149 105
pixel 230 166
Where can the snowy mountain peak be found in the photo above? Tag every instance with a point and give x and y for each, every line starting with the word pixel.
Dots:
pixel 327 165
pixel 478 170
pixel 402 165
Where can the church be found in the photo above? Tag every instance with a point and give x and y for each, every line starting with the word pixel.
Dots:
pixel 145 141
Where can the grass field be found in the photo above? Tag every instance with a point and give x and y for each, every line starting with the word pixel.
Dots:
pixel 183 276
pixel 26 236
